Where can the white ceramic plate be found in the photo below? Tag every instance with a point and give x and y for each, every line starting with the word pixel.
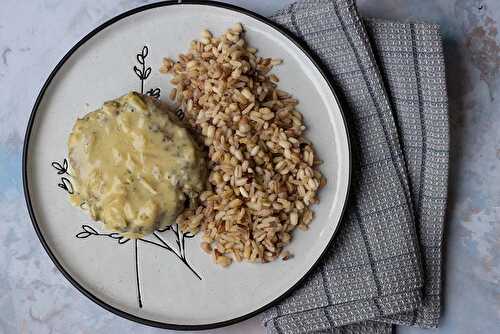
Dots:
pixel 157 281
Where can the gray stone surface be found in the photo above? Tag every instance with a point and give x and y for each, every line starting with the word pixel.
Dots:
pixel 34 35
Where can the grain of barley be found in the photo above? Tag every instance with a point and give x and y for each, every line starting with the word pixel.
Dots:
pixel 206 247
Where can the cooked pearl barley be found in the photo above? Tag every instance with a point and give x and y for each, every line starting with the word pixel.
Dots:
pixel 263 173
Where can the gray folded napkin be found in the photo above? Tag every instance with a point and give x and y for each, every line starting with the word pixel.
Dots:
pixel 385 262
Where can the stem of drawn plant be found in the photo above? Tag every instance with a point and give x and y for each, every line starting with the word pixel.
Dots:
pixel 182 244
pixel 181 256
pixel 179 239
pixel 142 80
pixel 139 296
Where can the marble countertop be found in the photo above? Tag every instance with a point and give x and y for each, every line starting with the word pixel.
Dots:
pixel 34 35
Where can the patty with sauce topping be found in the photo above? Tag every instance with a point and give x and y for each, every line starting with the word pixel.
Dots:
pixel 133 166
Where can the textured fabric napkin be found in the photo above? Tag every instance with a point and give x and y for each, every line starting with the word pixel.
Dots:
pixel 385 263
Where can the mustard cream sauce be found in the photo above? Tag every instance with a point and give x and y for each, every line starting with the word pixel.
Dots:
pixel 133 167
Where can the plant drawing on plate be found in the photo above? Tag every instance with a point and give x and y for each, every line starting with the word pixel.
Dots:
pixel 159 237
